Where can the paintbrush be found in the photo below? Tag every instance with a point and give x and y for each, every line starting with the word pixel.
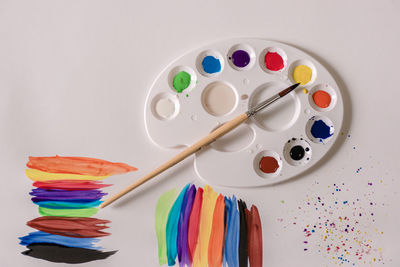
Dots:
pixel 220 131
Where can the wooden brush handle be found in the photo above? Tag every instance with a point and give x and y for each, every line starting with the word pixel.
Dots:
pixel 220 131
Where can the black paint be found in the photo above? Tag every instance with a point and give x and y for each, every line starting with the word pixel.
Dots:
pixel 243 246
pixel 58 253
pixel 297 152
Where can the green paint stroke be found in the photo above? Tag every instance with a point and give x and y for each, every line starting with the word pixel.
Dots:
pixel 181 81
pixel 164 204
pixel 68 212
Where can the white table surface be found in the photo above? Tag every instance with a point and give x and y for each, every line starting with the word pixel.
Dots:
pixel 73 80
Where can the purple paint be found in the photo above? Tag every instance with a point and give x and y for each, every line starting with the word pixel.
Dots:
pixel 183 245
pixel 240 58
pixel 181 228
pixel 57 194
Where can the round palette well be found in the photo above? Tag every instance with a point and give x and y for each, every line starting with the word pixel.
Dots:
pixel 211 85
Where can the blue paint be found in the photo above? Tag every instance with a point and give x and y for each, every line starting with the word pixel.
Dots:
pixel 172 227
pixel 68 205
pixel 320 130
pixel 211 64
pixel 232 233
pixel 42 237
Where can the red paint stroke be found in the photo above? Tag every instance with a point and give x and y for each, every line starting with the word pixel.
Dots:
pixel 70 226
pixel 78 165
pixel 254 238
pixel 194 223
pixel 322 99
pixel 273 61
pixel 215 245
pixel 70 184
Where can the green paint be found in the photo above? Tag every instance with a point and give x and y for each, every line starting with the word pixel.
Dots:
pixel 282 201
pixel 68 212
pixel 164 204
pixel 181 81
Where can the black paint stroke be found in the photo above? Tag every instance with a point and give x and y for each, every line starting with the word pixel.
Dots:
pixel 58 253
pixel 243 246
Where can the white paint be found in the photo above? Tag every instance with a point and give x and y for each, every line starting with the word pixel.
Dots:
pixel 165 108
pixel 219 98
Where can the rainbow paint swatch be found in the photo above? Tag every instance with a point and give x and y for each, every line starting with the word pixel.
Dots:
pixel 68 192
pixel 199 227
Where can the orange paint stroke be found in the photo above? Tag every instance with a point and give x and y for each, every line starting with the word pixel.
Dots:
pixel 215 247
pixel 78 165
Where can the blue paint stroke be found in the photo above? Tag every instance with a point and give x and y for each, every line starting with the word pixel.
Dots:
pixel 42 237
pixel 320 130
pixel 232 233
pixel 68 205
pixel 211 64
pixel 172 227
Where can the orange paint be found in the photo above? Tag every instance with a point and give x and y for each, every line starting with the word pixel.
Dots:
pixel 216 242
pixel 78 165
pixel 322 99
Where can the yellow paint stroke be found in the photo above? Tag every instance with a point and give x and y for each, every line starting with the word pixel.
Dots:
pixel 302 74
pixel 36 175
pixel 200 258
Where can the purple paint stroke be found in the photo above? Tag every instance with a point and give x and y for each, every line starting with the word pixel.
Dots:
pixel 183 245
pixel 181 213
pixel 39 199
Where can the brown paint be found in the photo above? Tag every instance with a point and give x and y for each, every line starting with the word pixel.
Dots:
pixel 268 164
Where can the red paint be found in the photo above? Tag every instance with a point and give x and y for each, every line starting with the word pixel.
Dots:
pixel 70 184
pixel 322 99
pixel 268 164
pixel 194 222
pixel 70 226
pixel 78 165
pixel 273 61
pixel 254 238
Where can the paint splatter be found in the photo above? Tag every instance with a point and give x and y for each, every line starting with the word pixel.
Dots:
pixel 211 64
pixel 273 61
pixel 206 229
pixel 67 194
pixel 181 81
pixel 302 74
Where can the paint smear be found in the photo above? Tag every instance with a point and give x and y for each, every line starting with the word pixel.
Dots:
pixel 211 64
pixel 232 233
pixel 65 254
pixel 243 242
pixel 268 164
pixel 39 237
pixel 164 204
pixel 206 216
pixel 59 194
pixel 322 99
pixel 216 243
pixel 67 204
pixel 255 245
pixel 36 175
pixel 302 74
pixel 70 184
pixel 319 129
pixel 172 227
pixel 72 227
pixel 88 212
pixel 181 81
pixel 240 58
pixel 78 165
pixel 194 223
pixel 273 61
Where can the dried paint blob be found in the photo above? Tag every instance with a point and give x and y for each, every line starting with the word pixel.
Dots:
pixel 219 98
pixel 273 61
pixel 302 74
pixel 211 64
pixel 268 164
pixel 165 108
pixel 181 81
pixel 240 58
pixel 322 99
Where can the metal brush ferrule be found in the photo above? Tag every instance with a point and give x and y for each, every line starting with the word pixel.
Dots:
pixel 262 105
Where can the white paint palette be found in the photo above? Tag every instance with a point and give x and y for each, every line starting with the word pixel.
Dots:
pixel 211 85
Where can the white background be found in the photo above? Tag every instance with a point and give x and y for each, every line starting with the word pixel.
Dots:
pixel 73 80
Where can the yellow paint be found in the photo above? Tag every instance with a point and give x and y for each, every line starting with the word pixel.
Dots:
pixel 36 175
pixel 206 216
pixel 302 74
pixel 305 91
pixel 373 259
